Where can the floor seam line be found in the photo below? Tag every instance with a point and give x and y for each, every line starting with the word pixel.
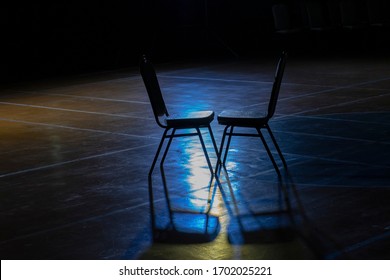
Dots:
pixel 323 117
pixel 71 161
pixel 333 137
pixel 74 111
pixel 77 222
pixel 76 128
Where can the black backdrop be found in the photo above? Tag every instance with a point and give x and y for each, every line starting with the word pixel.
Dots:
pixel 67 37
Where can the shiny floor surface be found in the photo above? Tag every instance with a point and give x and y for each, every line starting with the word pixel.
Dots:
pixel 75 155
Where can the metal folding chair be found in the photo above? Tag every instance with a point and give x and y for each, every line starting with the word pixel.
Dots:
pixel 253 119
pixel 171 124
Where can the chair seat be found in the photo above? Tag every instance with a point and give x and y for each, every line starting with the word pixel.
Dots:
pixel 242 118
pixel 190 119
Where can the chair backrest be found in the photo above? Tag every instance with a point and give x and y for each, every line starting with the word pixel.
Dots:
pixel 276 85
pixel 153 88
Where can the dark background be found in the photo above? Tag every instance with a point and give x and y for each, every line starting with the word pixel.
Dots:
pixel 67 37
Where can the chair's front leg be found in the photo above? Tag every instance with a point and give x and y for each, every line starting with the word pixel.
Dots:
pixel 205 151
pixel 228 145
pixel 219 154
pixel 214 142
pixel 211 194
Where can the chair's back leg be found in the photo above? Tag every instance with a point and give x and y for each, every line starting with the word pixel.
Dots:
pixel 150 183
pixel 277 147
pixel 171 136
pixel 268 151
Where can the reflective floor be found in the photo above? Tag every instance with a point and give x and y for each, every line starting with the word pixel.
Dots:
pixel 76 154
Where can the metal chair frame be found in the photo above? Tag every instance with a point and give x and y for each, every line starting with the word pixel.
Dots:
pixel 171 124
pixel 257 122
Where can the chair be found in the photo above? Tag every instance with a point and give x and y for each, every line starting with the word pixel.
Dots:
pixel 253 119
pixel 170 124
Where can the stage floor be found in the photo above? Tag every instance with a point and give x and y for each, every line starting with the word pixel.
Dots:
pixel 76 153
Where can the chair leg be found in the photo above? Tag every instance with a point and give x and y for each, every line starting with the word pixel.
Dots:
pixel 268 151
pixel 277 147
pixel 228 145
pixel 209 165
pixel 150 185
pixel 205 151
pixel 281 187
pixel 211 197
pixel 213 141
pixel 163 173
pixel 221 164
pixel 219 154
pixel 158 152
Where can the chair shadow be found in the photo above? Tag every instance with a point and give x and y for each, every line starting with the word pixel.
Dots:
pixel 259 227
pixel 187 226
pixel 322 244
pixel 286 224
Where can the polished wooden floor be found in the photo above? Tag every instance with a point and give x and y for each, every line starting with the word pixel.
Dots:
pixel 75 155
